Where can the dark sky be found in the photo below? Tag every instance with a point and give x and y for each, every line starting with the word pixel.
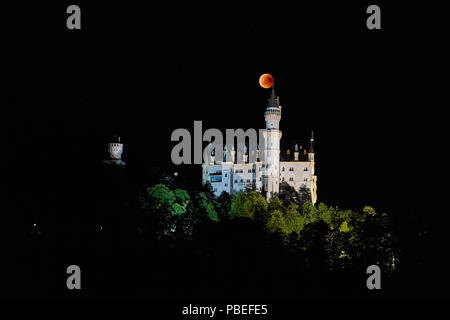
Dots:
pixel 370 96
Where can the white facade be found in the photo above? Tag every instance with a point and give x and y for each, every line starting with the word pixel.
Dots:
pixel 266 174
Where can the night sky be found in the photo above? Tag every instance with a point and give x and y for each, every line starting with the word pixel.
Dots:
pixel 371 97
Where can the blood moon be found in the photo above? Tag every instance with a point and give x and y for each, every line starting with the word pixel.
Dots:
pixel 266 81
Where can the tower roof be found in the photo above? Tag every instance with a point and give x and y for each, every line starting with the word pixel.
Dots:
pixel 273 101
pixel 115 139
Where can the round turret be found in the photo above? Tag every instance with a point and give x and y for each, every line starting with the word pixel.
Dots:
pixel 115 150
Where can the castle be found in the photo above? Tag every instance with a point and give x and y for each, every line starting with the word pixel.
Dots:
pixel 270 168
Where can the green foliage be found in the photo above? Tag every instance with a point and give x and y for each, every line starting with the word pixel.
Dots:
pixel 207 206
pixel 310 212
pixel 182 196
pixel 295 222
pixel 160 196
pixel 249 205
pixel 369 211
pixel 275 204
pixel 329 236
pixel 223 205
pixel 276 222
pixel 288 194
pixel 177 209
pixel 344 227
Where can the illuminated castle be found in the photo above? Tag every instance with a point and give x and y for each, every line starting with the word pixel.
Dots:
pixel 270 168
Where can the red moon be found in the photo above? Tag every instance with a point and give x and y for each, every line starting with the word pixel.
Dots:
pixel 266 81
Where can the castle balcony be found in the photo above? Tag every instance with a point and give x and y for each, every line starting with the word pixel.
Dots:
pixel 273 111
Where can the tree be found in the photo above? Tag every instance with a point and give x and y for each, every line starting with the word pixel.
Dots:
pixel 223 205
pixel 182 199
pixel 206 206
pixel 207 189
pixel 248 205
pixel 160 197
pixel 276 223
pixel 304 195
pixel 295 222
pixel 163 210
pixel 344 227
pixel 288 194
pixel 275 204
pixel 309 212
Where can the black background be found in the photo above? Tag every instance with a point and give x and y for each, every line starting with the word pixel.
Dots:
pixel 372 97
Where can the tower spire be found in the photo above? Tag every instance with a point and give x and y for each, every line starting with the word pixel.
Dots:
pixel 311 141
pixel 273 101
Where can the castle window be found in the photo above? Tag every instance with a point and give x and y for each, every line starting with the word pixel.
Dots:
pixel 259 178
pixel 226 184
pixel 282 179
pixel 291 179
pixel 249 170
pixel 248 180
pixel 306 179
pixel 242 180
pixel 282 169
pixel 226 175
pixel 235 181
pixel 306 169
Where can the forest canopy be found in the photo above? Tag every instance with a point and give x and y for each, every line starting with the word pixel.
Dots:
pixel 334 238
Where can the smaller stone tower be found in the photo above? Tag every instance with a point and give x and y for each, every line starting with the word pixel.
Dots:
pixel 115 150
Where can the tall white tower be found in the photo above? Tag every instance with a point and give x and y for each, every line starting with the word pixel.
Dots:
pixel 272 136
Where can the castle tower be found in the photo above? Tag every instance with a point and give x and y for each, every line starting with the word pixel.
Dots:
pixel 115 150
pixel 312 168
pixel 272 136
pixel 311 148
pixel 296 153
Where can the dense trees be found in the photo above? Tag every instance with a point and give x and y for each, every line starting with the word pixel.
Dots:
pixel 334 238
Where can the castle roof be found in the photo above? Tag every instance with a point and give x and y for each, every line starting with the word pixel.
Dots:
pixel 289 155
pixel 274 100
